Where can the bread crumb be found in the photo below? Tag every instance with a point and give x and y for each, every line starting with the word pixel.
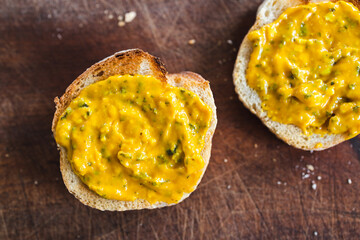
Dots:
pixel 110 16
pixel 228 187
pixel 230 42
pixel 36 182
pixel 349 181
pixel 304 176
pixel 191 41
pixel 314 186
pixel 319 178
pixel 120 18
pixel 310 167
pixel 255 145
pixel 225 160
pixel 278 182
pixel 59 36
pixel 130 16
pixel 274 160
pixel 121 23
pixel 106 12
pixel 315 233
pixel 7 155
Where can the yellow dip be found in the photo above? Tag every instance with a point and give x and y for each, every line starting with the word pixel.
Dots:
pixel 135 137
pixel 305 66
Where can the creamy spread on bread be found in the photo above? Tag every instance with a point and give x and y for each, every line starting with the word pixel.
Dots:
pixel 136 137
pixel 305 67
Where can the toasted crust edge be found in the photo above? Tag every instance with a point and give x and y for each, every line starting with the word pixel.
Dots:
pixel 187 80
pixel 125 62
pixel 268 12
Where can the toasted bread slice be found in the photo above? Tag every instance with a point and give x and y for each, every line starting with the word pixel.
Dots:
pixel 268 12
pixel 132 62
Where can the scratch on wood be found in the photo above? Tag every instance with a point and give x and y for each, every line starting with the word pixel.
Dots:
pixel 303 212
pixel 173 24
pixel 336 208
pixel 89 224
pixel 4 224
pixel 154 231
pixel 77 204
pixel 218 177
pixel 113 232
pixel 149 19
pixel 255 204
pixel 139 220
pixel 226 8
pixel 222 222
pixel 86 5
pixel 33 88
pixel 185 224
pixel 192 225
pixel 27 202
pixel 356 147
pixel 41 226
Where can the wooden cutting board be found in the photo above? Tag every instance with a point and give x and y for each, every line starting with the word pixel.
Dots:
pixel 256 187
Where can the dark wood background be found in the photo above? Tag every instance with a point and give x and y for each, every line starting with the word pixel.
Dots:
pixel 256 187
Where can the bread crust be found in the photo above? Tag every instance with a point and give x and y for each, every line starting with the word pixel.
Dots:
pixel 268 12
pixel 133 61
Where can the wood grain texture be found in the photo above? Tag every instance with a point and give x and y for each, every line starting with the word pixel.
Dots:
pixel 262 191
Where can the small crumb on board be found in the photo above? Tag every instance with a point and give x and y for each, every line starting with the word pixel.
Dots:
pixel 191 41
pixel 127 18
pixel 130 16
pixel 310 167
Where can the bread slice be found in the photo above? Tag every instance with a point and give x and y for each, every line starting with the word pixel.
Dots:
pixel 133 61
pixel 268 12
